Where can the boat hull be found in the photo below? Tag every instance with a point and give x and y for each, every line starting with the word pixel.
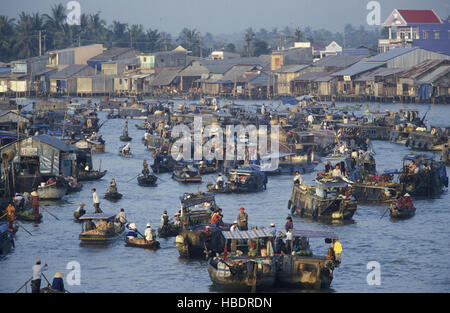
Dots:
pixel 51 192
pixel 93 175
pixel 141 243
pixel 147 181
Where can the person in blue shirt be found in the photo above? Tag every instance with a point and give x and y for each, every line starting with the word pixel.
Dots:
pixel 58 282
pixel 132 233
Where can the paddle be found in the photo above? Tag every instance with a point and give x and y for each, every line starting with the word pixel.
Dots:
pixel 50 214
pixel 24 228
pixel 133 178
pixel 24 284
pixel 384 213
pixel 254 278
pixel 140 233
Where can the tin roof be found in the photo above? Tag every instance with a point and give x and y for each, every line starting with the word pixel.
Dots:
pixel 55 142
pixel 340 60
pixel 248 234
pixel 357 68
pixel 391 54
pixel 434 75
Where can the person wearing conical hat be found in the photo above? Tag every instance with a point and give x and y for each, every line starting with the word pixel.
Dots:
pixel 35 203
pixel 148 233
pixel 58 282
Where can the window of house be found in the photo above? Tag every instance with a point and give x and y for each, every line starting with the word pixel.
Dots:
pixel 120 81
pixel 425 34
pixel 436 34
pixel 145 59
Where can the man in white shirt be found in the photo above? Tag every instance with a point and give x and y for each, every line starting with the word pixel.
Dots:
pixel 122 217
pixel 219 182
pixel 337 172
pixel 148 233
pixel 234 227
pixel 37 272
pixel 96 201
pixel 298 180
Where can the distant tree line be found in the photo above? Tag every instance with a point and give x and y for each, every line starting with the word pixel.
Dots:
pixel 19 37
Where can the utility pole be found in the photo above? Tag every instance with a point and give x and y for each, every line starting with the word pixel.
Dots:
pixel 40 40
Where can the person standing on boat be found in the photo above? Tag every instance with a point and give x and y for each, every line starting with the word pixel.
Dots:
pixel 145 170
pixel 219 182
pixel 35 203
pixel 289 241
pixel 148 233
pixel 164 220
pixel 337 248
pixel 58 282
pixel 234 227
pixel 37 272
pixel 121 216
pixel 298 180
pixel 242 219
pixel 337 171
pixel 273 229
pixel 112 186
pixel 289 224
pixel 96 201
pixel 10 214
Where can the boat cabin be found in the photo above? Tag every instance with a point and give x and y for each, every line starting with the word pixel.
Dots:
pixel 196 208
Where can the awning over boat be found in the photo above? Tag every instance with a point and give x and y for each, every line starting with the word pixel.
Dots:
pixel 418 156
pixel 248 234
pixel 313 234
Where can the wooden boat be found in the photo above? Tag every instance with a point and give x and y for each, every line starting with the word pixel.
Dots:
pixel 53 191
pixel 247 179
pixel 142 243
pixel 76 188
pixel 28 217
pixel 227 188
pixel 126 154
pixel 113 196
pixel 302 269
pixel 323 201
pixel 98 148
pixel 49 289
pixel 186 176
pixel 106 230
pixel 125 138
pixel 169 230
pixel 147 180
pixel 6 239
pixel 425 182
pixel 91 175
pixel 399 213
pixel 375 192
pixel 445 154
pixel 193 241
pixel 163 163
pixel 288 163
pixel 241 268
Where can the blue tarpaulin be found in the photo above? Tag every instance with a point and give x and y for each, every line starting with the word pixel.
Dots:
pixel 425 91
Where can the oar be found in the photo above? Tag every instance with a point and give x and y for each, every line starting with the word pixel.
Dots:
pixel 133 178
pixel 50 214
pixel 46 279
pixel 384 213
pixel 24 284
pixel 140 233
pixel 24 228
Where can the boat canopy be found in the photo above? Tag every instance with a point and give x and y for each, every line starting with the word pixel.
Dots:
pixel 98 216
pixel 248 234
pixel 276 155
pixel 313 234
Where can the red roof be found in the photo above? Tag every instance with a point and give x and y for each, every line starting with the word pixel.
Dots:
pixel 420 16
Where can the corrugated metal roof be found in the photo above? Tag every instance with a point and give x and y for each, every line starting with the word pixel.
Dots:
pixel 434 75
pixel 421 68
pixel 386 56
pixel 165 77
pixel 112 54
pixel 379 72
pixel 69 71
pixel 293 68
pixel 55 142
pixel 310 76
pixel 341 61
pixel 357 68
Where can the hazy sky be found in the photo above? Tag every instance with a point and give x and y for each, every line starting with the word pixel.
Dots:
pixel 229 16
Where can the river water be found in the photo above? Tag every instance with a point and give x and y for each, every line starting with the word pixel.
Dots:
pixel 413 254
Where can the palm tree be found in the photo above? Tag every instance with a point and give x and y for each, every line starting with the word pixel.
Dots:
pixel 190 38
pixel 297 34
pixel 26 37
pixel 96 26
pixel 249 35
pixel 119 33
pixel 6 37
pixel 57 18
pixel 153 38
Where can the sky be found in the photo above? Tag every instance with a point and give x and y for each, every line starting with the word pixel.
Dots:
pixel 231 16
